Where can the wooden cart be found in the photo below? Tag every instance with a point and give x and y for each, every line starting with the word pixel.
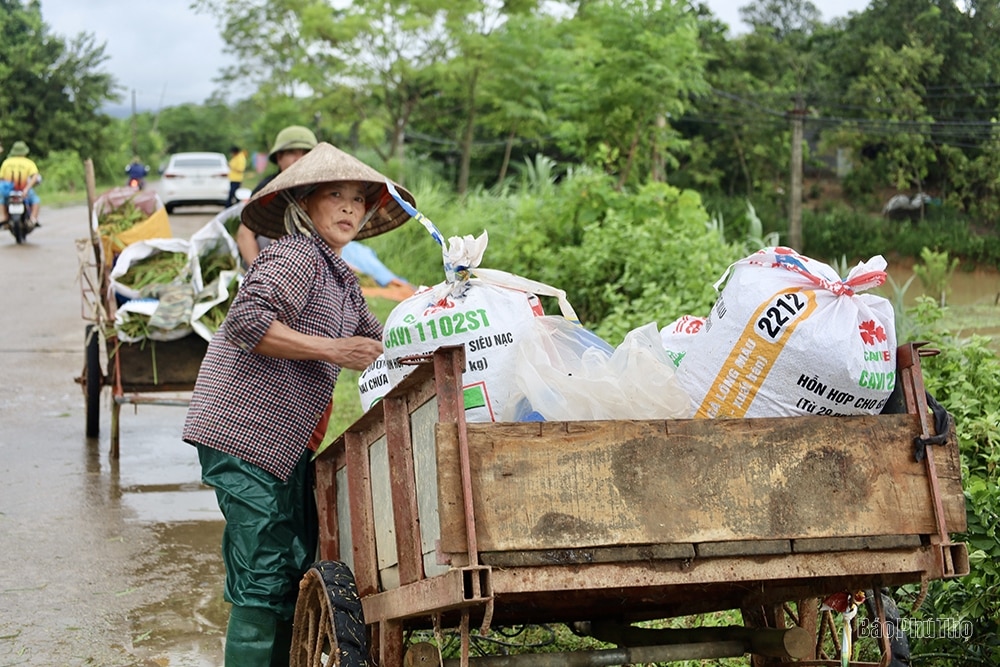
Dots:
pixel 135 372
pixel 453 525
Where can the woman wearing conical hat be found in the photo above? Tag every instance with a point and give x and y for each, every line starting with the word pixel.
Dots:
pixel 268 376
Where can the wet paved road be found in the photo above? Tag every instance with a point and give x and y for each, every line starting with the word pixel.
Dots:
pixel 103 562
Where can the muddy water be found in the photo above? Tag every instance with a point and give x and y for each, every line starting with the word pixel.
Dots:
pixel 105 562
pixel 974 296
pixel 965 287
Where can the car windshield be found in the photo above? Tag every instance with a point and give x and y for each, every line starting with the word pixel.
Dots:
pixel 197 163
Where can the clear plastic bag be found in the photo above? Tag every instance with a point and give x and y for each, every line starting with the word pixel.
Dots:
pixel 563 372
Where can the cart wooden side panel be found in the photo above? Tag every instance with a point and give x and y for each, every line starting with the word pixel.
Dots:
pixel 151 366
pixel 575 485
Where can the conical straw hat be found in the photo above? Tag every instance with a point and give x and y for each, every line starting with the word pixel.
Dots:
pixel 265 212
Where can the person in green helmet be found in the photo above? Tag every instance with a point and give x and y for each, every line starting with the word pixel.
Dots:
pixel 290 145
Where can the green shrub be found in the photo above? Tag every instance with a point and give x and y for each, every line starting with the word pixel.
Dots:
pixel 844 231
pixel 62 171
pixel 623 258
pixel 965 379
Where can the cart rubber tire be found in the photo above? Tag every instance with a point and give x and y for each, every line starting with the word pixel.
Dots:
pixel 92 380
pixel 899 644
pixel 329 619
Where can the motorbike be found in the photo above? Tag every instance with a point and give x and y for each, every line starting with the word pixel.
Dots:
pixel 18 217
pixel 136 183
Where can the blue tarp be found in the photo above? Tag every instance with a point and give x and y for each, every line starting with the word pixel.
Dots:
pixel 364 259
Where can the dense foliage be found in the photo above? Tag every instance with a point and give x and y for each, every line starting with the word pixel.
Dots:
pixel 51 88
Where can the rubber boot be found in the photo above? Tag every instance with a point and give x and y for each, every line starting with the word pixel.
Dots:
pixel 282 645
pixel 252 639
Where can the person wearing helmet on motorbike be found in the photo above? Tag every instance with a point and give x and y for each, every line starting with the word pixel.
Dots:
pixel 290 144
pixel 137 172
pixel 21 173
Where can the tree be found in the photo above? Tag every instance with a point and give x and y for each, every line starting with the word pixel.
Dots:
pixel 620 85
pixel 193 127
pixel 790 25
pixel 516 98
pixel 51 90
pixel 891 93
pixel 958 95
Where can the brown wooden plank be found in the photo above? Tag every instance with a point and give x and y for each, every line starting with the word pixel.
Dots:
pixel 326 507
pixel 830 544
pixel 160 365
pixel 743 548
pixel 403 487
pixel 581 484
pixel 592 555
pixel 359 492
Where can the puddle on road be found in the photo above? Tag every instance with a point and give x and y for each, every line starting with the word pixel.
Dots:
pixel 187 624
pixel 156 482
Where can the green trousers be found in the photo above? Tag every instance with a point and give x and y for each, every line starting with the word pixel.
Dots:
pixel 267 545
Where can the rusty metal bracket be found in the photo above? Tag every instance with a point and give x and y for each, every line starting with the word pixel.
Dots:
pixel 916 401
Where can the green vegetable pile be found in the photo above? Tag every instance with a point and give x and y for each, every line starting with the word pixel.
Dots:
pixel 214 317
pixel 134 326
pixel 215 259
pixel 120 219
pixel 159 269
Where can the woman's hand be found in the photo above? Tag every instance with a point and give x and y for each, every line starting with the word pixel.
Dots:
pixel 356 352
pixel 283 342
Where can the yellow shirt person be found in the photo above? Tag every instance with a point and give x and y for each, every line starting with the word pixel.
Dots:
pixel 237 167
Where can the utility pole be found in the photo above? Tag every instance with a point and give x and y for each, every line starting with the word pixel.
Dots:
pixel 795 205
pixel 135 140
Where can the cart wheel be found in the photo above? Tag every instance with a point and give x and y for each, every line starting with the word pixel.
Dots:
pixel 92 380
pixel 329 620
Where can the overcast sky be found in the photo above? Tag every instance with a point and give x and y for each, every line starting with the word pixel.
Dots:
pixel 169 55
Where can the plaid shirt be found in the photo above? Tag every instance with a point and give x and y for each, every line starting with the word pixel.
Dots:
pixel 262 409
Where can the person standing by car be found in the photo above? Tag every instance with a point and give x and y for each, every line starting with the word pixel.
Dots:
pixel 290 144
pixel 237 167
pixel 297 319
pixel 21 173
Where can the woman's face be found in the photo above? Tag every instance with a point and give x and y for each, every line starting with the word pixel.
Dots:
pixel 336 210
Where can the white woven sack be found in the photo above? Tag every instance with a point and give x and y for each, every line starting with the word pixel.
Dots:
pixel 141 250
pixel 146 308
pixel 211 296
pixel 483 309
pixel 676 337
pixel 213 236
pixel 374 382
pixel 487 318
pixel 788 337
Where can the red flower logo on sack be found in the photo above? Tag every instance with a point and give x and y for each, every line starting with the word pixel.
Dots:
pixel 872 333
